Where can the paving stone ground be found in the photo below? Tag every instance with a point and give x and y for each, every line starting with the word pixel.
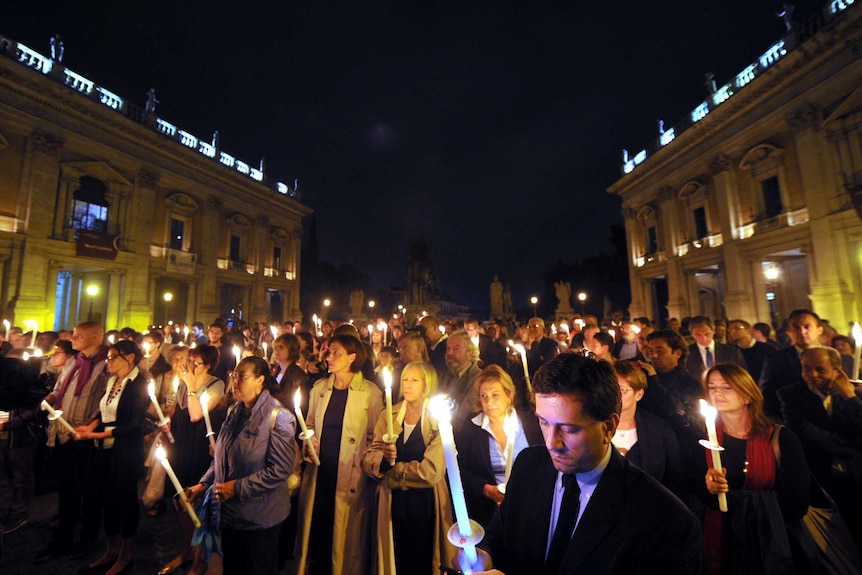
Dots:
pixel 155 545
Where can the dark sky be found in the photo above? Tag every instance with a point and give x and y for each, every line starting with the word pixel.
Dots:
pixel 491 128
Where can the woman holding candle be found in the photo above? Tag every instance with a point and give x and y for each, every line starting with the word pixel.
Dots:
pixel 336 498
pixel 254 456
pixel 645 439
pixel 118 431
pixel 190 453
pixel 483 443
pixel 763 492
pixel 414 509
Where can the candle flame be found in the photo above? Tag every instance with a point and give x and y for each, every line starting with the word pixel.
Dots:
pixel 273 331
pixel 111 339
pixel 25 356
pixel 297 400
pixel 37 352
pixel 205 398
pixel 237 352
pixel 612 333
pixel 707 410
pixel 440 407
pixel 176 384
pixel 161 454
pixel 381 326
pixel 635 329
pixel 387 379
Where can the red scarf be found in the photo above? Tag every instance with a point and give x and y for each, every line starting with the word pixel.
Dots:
pixel 760 477
pixel 83 367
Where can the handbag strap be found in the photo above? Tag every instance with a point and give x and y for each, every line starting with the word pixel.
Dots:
pixel 275 411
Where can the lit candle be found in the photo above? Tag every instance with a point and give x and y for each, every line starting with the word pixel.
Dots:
pixel 8 326
pixel 709 413
pixel 306 434
pixel 387 385
pixel 612 333
pixel 185 333
pixel 635 329
pixel 146 346
pixel 57 415
pixel 205 407
pixel 163 458
pixel 33 325
pixel 857 352
pixel 370 330
pixel 151 390
pixel 111 339
pixel 273 331
pixel 523 353
pixel 469 532
pixel 237 352
pixel 263 345
pixel 382 326
pixel 510 428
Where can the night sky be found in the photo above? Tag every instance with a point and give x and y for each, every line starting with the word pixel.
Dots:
pixel 490 128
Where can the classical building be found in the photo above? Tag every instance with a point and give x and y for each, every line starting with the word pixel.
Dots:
pixel 108 211
pixel 745 209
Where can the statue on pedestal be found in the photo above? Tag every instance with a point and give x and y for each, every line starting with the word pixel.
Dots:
pixel 507 300
pixel 357 302
pixel 496 298
pixel 564 297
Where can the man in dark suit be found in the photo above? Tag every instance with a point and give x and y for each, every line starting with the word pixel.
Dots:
pixel 540 349
pixel 754 352
pixel 488 352
pixel 606 516
pixel 706 352
pixel 825 411
pixel 785 368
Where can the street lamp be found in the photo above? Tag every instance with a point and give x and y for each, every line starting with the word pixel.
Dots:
pixel 326 304
pixel 92 291
pixel 582 297
pixel 371 304
pixel 535 301
pixel 168 297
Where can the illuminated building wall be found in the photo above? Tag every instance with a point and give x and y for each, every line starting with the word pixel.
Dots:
pixel 747 209
pixel 98 193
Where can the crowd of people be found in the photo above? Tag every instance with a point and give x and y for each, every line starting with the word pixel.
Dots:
pixel 584 454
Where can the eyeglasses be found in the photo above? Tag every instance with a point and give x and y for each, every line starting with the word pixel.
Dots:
pixel 113 357
pixel 625 390
pixel 196 363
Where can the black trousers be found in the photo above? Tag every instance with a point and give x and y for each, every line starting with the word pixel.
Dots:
pixel 119 498
pixel 250 552
pixel 77 491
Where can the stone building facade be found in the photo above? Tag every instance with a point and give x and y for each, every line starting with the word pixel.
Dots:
pixel 108 211
pixel 745 209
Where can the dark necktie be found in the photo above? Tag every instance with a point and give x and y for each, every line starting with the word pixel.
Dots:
pixel 710 361
pixel 565 523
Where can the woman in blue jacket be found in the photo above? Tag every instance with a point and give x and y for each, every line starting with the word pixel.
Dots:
pixel 254 456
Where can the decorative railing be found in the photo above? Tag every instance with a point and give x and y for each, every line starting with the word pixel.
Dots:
pixel 33 59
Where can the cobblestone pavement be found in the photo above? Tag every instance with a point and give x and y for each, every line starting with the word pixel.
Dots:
pixel 155 545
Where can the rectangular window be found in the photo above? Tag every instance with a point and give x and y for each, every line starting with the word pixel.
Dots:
pixel 700 227
pixel 235 242
pixel 90 217
pixel 276 257
pixel 771 197
pixel 652 240
pixel 178 232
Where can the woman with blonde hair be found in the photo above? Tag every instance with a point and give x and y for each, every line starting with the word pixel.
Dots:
pixel 414 509
pixel 482 442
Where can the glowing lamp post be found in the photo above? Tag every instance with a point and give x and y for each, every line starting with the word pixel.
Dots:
pixel 535 301
pixel 465 533
pixel 92 292
pixel 709 413
pixel 582 297
pixel 326 303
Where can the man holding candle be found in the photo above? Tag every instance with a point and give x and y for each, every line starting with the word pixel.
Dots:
pixel 77 395
pixel 575 504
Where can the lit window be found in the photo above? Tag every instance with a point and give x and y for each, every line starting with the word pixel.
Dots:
pixel 89 206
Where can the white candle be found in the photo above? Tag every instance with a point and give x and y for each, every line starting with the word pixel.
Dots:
pixel 709 413
pixel 151 390
pixel 857 352
pixel 34 326
pixel 163 458
pixel 205 407
pixel 8 326
pixel 440 408
pixel 612 333
pixel 387 385
pixel 146 346
pixel 523 353
pixel 306 434
pixel 185 333
pixel 273 331
pixel 510 428
pixel 263 345
pixel 57 415
pixel 237 352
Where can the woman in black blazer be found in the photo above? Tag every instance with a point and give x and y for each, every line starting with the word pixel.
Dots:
pixel 646 439
pixel 482 442
pixel 118 430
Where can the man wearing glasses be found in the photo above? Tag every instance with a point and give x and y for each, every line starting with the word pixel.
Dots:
pixel 78 395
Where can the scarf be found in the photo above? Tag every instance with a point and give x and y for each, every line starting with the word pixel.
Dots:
pixel 760 477
pixel 83 367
